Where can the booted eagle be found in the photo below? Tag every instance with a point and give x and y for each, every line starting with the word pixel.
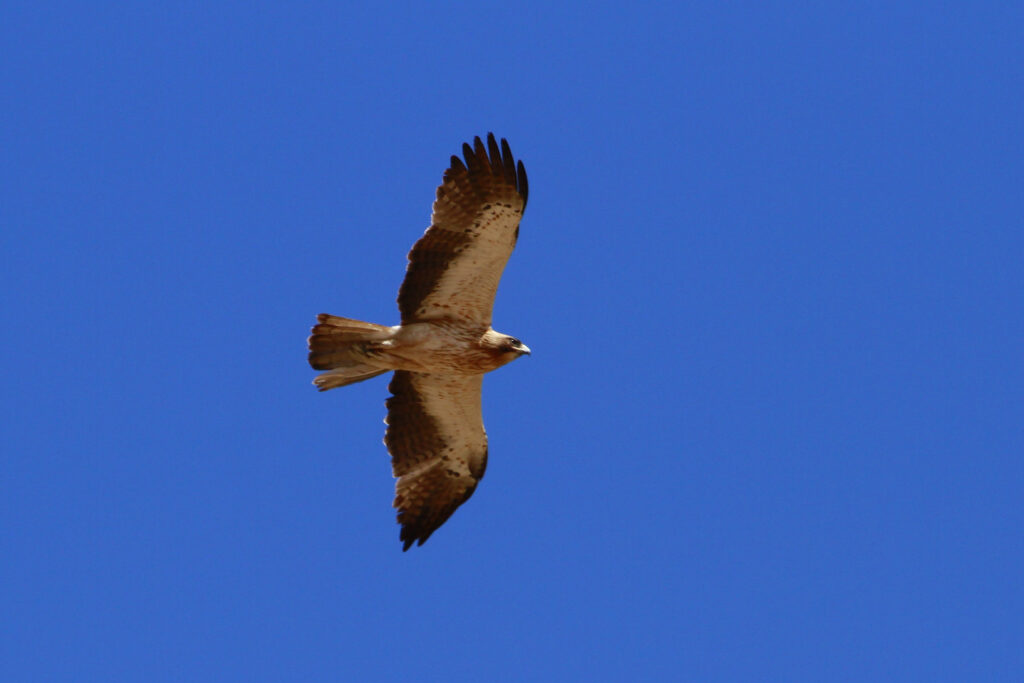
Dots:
pixel 445 344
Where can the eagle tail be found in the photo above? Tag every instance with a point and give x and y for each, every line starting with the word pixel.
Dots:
pixel 343 346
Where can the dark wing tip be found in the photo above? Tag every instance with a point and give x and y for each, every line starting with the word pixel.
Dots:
pixel 524 187
pixel 495 154
pixel 420 525
pixel 417 534
pixel 407 537
pixel 500 160
pixel 481 152
pixel 508 164
pixel 467 153
pixel 489 166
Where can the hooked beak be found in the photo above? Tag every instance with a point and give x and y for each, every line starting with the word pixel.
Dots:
pixel 524 349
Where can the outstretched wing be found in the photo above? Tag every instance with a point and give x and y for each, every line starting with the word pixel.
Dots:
pixel 455 267
pixel 438 448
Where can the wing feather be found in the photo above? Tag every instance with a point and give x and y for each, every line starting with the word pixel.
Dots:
pixel 454 269
pixel 438 448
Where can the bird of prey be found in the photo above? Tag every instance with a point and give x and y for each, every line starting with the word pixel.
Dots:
pixel 444 344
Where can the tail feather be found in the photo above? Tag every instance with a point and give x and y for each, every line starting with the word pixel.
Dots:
pixel 346 328
pixel 343 346
pixel 345 376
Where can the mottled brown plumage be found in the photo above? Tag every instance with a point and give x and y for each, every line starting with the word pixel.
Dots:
pixel 438 447
pixel 455 267
pixel 444 344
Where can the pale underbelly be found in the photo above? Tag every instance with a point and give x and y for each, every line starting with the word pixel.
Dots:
pixel 450 360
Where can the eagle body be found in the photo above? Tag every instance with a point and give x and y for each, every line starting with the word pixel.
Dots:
pixel 450 346
pixel 445 342
pixel 446 346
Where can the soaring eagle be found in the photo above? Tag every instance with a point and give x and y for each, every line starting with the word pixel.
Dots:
pixel 445 344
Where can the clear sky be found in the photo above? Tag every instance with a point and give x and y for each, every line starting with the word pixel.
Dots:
pixel 772 273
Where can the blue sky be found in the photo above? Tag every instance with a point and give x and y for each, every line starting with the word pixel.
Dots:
pixel 771 273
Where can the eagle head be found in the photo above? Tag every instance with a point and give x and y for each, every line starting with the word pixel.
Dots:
pixel 504 346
